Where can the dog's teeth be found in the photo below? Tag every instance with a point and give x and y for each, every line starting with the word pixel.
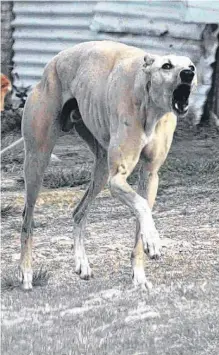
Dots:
pixel 176 105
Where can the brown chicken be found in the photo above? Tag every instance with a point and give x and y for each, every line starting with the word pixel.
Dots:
pixel 5 88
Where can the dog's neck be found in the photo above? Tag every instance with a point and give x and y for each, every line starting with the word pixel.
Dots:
pixel 152 115
pixel 149 112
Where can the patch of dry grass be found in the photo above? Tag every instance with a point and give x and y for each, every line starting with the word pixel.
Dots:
pixel 56 178
pixel 10 282
pixel 64 178
pixel 51 198
pixel 11 120
pixel 10 161
pixel 183 166
pixel 6 210
pixel 41 277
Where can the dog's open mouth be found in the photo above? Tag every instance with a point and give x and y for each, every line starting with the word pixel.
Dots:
pixel 180 100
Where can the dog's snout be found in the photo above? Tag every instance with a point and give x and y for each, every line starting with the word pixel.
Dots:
pixel 187 75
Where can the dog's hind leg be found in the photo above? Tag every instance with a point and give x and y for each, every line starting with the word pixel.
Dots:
pixel 98 180
pixel 40 128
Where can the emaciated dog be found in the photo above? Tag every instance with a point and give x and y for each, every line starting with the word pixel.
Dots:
pixel 124 103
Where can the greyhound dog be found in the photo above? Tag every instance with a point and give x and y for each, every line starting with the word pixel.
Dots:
pixel 124 103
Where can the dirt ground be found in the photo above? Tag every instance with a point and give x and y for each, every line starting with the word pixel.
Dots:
pixel 106 315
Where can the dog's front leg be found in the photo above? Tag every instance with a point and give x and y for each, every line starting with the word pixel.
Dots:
pixel 123 156
pixel 137 256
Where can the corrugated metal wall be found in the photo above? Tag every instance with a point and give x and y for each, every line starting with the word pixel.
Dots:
pixel 6 37
pixel 44 28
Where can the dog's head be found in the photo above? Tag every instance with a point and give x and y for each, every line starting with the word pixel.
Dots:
pixel 170 80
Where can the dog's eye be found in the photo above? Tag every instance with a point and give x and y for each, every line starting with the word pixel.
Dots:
pixel 167 66
pixel 191 67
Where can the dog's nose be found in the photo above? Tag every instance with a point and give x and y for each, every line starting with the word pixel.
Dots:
pixel 187 75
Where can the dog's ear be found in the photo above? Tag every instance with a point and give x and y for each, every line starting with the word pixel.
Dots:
pixel 148 61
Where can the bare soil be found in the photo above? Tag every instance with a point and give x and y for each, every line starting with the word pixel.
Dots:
pixel 106 315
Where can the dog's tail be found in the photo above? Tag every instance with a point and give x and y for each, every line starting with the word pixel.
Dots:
pixel 19 144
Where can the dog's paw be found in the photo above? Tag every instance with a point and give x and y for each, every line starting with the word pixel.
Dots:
pixel 82 268
pixel 139 278
pixel 152 244
pixel 25 277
